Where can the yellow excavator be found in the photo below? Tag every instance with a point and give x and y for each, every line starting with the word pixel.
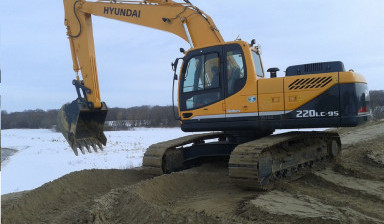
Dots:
pixel 223 90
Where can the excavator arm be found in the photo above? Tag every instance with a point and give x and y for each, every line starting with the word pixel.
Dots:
pixel 81 122
pixel 181 19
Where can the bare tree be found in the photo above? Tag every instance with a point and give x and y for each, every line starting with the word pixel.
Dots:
pixel 377 103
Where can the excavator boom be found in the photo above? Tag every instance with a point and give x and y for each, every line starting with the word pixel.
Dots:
pixel 82 121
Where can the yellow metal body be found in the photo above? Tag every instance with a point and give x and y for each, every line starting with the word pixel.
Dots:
pixel 196 27
pixel 274 95
pixel 244 97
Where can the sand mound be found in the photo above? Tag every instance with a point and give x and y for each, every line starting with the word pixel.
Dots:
pixel 350 191
pixel 64 194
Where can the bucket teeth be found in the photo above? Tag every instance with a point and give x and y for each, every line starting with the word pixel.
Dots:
pixel 87 144
pixel 88 148
pixel 100 146
pixel 75 151
pixel 82 149
pixel 94 147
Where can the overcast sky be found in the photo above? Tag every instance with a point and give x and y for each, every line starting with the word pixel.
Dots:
pixel 134 62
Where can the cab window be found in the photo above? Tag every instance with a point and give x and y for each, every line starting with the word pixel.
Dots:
pixel 202 73
pixel 257 64
pixel 235 71
pixel 202 81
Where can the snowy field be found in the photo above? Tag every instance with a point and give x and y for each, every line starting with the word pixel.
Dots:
pixel 43 155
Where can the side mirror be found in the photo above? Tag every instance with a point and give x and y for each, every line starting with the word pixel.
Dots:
pixel 174 67
pixel 174 64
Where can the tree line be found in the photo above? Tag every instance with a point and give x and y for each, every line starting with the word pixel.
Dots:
pixel 117 118
pixel 142 116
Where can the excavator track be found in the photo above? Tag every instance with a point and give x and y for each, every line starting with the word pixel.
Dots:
pixel 258 164
pixel 169 156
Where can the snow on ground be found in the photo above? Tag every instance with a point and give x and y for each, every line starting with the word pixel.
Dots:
pixel 44 155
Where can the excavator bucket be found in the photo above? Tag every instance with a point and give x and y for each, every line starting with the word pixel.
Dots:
pixel 82 127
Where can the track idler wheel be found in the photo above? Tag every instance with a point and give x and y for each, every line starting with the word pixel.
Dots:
pixel 335 148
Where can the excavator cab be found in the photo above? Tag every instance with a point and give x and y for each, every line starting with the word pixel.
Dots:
pixel 81 123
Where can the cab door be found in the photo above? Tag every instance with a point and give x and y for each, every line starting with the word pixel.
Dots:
pixel 201 91
pixel 235 78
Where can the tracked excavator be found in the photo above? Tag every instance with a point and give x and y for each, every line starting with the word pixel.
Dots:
pixel 223 91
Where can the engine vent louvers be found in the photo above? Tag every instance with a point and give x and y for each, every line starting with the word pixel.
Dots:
pixel 313 68
pixel 310 83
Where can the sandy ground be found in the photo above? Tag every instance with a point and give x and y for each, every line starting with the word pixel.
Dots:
pixel 348 191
